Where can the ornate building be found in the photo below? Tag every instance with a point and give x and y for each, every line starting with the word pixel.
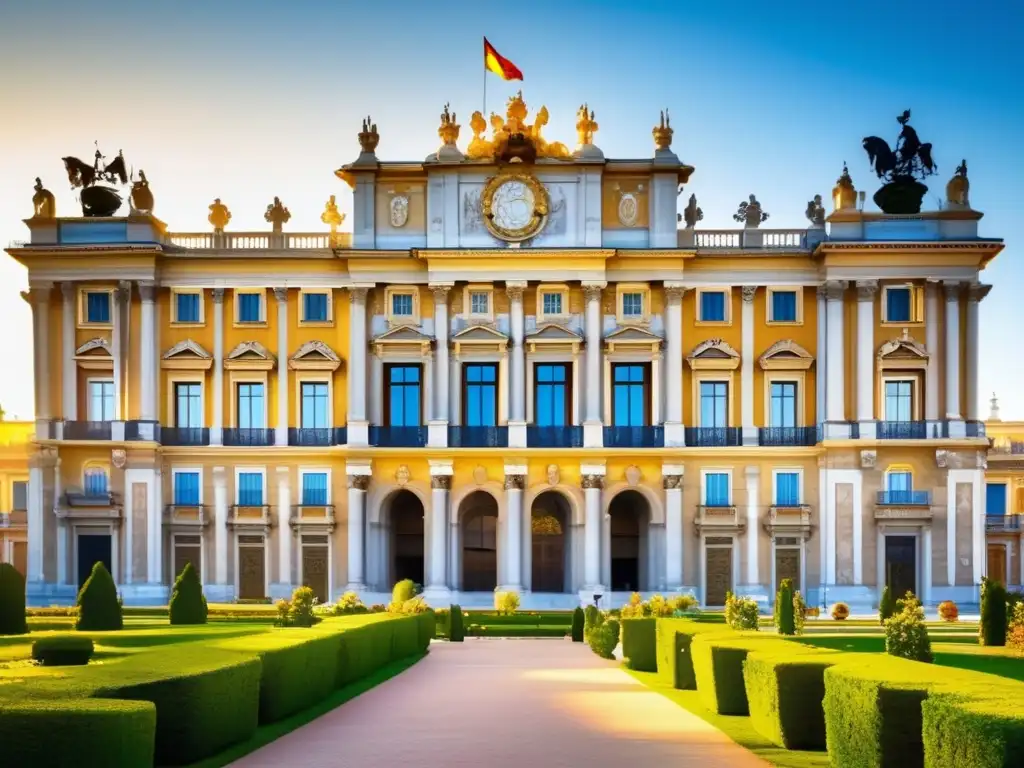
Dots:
pixel 519 370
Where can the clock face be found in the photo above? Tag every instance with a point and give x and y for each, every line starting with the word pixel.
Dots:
pixel 515 207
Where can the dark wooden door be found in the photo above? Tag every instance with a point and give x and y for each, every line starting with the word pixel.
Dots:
pixel 251 575
pixel 997 564
pixel 718 579
pixel 787 566
pixel 548 562
pixel 901 565
pixel 92 549
pixel 314 571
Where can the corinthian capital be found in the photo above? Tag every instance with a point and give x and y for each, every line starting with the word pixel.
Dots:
pixel 359 482
pixel 978 291
pixel 836 289
pixel 515 291
pixel 592 291
pixel 358 293
pixel 515 482
pixel 147 290
pixel 441 293
pixel 281 294
pixel 866 289
pixel 674 293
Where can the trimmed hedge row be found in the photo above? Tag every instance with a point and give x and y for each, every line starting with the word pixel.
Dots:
pixel 673 638
pixel 640 644
pixel 718 666
pixel 961 733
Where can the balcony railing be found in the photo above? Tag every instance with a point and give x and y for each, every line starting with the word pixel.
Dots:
pixel 787 436
pixel 248 437
pixel 88 430
pixel 554 437
pixel 313 436
pixel 902 430
pixel 184 436
pixel 1004 523
pixel 976 429
pixel 713 437
pixel 477 437
pixel 634 437
pixel 1005 446
pixel 398 437
pixel 904 498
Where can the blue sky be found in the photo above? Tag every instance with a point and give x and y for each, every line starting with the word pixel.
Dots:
pixel 248 100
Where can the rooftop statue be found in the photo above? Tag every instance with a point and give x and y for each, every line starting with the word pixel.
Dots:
pixel 663 132
pixel 692 214
pixel 219 215
pixel 512 138
pixel 97 200
pixel 750 213
pixel 958 188
pixel 844 194
pixel 43 205
pixel 815 212
pixel 277 214
pixel 142 196
pixel 586 126
pixel 901 169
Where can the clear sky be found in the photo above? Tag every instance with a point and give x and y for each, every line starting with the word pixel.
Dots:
pixel 248 100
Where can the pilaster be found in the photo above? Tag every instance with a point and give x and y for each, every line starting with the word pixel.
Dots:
pixel 69 370
pixel 147 359
pixel 753 477
pixel 121 306
pixel 672 481
pixel 217 427
pixel 835 373
pixel 866 290
pixel 593 434
pixel 747 367
pixel 975 294
pixel 822 358
pixel 674 432
pixel 281 431
pixel 515 483
pixel 517 379
pixel 953 411
pixel 223 588
pixel 437 436
pixel 38 297
pixel 358 482
pixel 285 539
pixel 592 482
pixel 437 589
pixel 931 320
pixel 358 426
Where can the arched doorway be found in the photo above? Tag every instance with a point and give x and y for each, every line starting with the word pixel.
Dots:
pixel 406 512
pixel 549 533
pixel 629 515
pixel 479 542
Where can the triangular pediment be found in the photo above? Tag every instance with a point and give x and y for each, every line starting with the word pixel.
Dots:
pixel 632 334
pixel 480 334
pixel 187 348
pixel 786 355
pixel 250 354
pixel 315 355
pixel 402 334
pixel 94 348
pixel 715 354
pixel 552 332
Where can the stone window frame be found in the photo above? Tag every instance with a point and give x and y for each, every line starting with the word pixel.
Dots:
pixel 191 469
pixel 184 377
pixel 713 470
pixel 799 472
pixel 560 289
pixel 402 290
pixel 467 303
pixel 798 290
pixel 303 322
pixel 315 470
pixel 83 302
pixel 698 299
pixel 917 308
pixel 644 289
pixel 237 305
pixel 201 322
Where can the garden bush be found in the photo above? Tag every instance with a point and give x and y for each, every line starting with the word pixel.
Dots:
pixel 403 590
pixel 456 626
pixel 675 658
pixel 62 650
pixel 718 667
pixel 992 630
pixel 886 605
pixel 640 644
pixel 1015 628
pixel 604 638
pixel 577 625
pixel 741 612
pixel 799 613
pixel 963 733
pixel 188 605
pixel 12 601
pixel 348 604
pixel 840 611
pixel 906 635
pixel 784 622
pixel 506 603
pixel 99 608
pixel 591 617
pixel 948 611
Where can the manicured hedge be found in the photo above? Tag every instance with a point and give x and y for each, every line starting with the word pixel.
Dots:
pixel 674 656
pixel 535 618
pixel 491 630
pixel 640 644
pixel 960 733
pixel 718 667
pixel 62 650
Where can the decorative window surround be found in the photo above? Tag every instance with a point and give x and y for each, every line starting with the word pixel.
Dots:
pixel 704 472
pixel 303 322
pixel 175 292
pixel 902 359
pixel 727 290
pixel 172 396
pixel 916 304
pixel 400 320
pixel 402 341
pixel 798 290
pixel 186 355
pixel 786 355
pixel 314 356
pixel 250 356
pixel 262 293
pixel 467 303
pixel 559 289
pixel 553 338
pixel 95 355
pixel 729 378
pixel 644 289
pixel 714 354
pixel 83 317
pixel 313 378
pixel 633 339
pixel 553 344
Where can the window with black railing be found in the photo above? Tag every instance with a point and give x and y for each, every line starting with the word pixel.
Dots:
pixel 1000 523
pixel 477 437
pixel 398 437
pixel 634 437
pixel 787 435
pixel 184 436
pixel 87 430
pixel 554 437
pixel 712 437
pixel 311 436
pixel 902 430
pixel 976 429
pixel 905 497
pixel 248 436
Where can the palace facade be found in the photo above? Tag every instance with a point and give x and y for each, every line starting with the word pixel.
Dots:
pixel 522 369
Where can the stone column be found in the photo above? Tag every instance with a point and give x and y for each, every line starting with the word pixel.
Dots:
pixel 672 480
pixel 517 366
pixel 438 426
pixel 358 426
pixel 281 432
pixel 753 474
pixel 953 412
pixel 674 431
pixel 38 296
pixel 147 360
pixel 926 564
pixel 122 300
pixel 592 485
pixel 976 293
pixel 835 381
pixel 593 435
pixel 284 532
pixel 63 529
pixel 440 490
pixel 357 485
pixel 38 463
pixel 822 359
pixel 220 528
pixel 515 482
pixel 866 290
pixel 69 369
pixel 217 427
pixel 747 368
pixel 931 320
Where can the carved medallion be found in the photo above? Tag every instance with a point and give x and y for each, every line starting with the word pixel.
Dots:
pixel 553 475
pixel 402 475
pixel 399 211
pixel 515 206
pixel 480 474
pixel 868 459
pixel 633 475
pixel 118 457
pixel 628 209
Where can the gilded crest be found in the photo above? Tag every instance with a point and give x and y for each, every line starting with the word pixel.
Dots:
pixel 553 475
pixel 402 475
pixel 628 209
pixel 399 209
pixel 118 457
pixel 515 206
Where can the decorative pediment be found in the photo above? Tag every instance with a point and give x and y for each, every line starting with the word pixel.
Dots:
pixel 95 355
pixel 903 352
pixel 250 355
pixel 553 338
pixel 714 354
pixel 480 339
pixel 188 355
pixel 786 355
pixel 315 356
pixel 402 340
pixel 632 338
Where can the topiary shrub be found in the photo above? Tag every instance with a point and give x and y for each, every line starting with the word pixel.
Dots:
pixel 906 635
pixel 456 625
pixel 604 637
pixel 99 609
pixel 188 605
pixel 992 629
pixel 591 618
pixel 799 613
pixel 404 590
pixel 741 612
pixel 12 601
pixel 578 620
pixel 506 603
pixel 784 621
pixel 948 611
pixel 62 650
pixel 300 613
pixel 640 643
pixel 886 605
pixel 840 611
pixel 1015 629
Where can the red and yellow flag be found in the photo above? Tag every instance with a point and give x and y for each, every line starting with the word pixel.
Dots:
pixel 499 65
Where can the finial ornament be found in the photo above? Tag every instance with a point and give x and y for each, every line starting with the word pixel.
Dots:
pixel 142 195
pixel 815 213
pixel 993 410
pixel 958 188
pixel 692 214
pixel 512 138
pixel 368 137
pixel 219 215
pixel 902 169
pixel 586 126
pixel 277 214
pixel 750 213
pixel 662 132
pixel 43 205
pixel 332 216
pixel 449 130
pixel 844 195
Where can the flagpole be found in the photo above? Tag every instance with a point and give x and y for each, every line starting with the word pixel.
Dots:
pixel 485 93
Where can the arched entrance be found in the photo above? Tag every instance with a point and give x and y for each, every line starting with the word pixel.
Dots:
pixel 479 513
pixel 549 533
pixel 406 513
pixel 629 515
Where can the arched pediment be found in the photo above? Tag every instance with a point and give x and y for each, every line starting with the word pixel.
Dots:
pixel 315 355
pixel 714 354
pixel 250 355
pixel 786 355
pixel 97 346
pixel 905 347
pixel 95 354
pixel 187 354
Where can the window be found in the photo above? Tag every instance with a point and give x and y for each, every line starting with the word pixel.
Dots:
pixel 899 482
pixel 714 404
pixel 787 489
pixel 186 489
pixel 712 307
pixel 629 395
pixel 19 496
pixel 898 304
pixel 314 405
pixel 479 303
pixel 783 307
pixel 553 303
pixel 314 308
pixel 250 489
pixel 899 400
pixel 97 307
pixel 995 498
pixel 403 396
pixel 250 307
pixel 251 409
pixel 96 481
pixel 633 305
pixel 188 408
pixel 401 305
pixel 551 394
pixel 783 395
pixel 101 401
pixel 186 308
pixel 314 489
pixel 716 489
pixel 480 398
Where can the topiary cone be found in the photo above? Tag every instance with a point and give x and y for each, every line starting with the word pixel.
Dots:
pixel 188 606
pixel 12 601
pixel 784 622
pixel 456 627
pixel 99 608
pixel 578 620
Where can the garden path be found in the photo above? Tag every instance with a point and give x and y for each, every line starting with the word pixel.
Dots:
pixel 505 703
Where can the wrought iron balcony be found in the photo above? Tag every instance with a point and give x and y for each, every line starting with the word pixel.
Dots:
pixel 477 437
pixel 634 437
pixel 1004 523
pixel 718 517
pixel 186 515
pixel 250 516
pixel 184 436
pixel 705 437
pixel 312 436
pixel 141 430
pixel 398 437
pixel 88 430
pixel 976 429
pixel 787 436
pixel 904 498
pixel 902 430
pixel 249 437
pixel 554 437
